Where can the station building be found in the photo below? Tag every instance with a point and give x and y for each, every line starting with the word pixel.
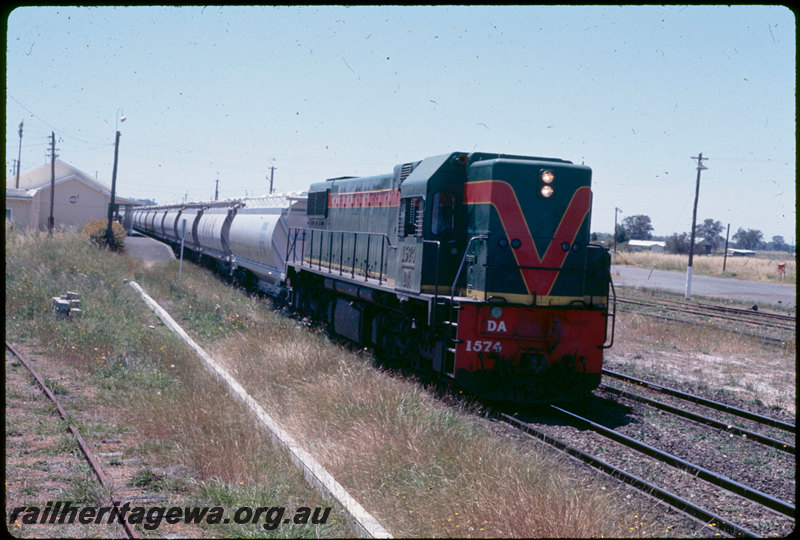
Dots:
pixel 77 198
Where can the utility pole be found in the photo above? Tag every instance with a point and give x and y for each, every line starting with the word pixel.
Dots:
pixel 50 220
pixel 725 259
pixel 216 190
pixel 110 232
pixel 19 156
pixel 700 167
pixel 615 227
pixel 271 178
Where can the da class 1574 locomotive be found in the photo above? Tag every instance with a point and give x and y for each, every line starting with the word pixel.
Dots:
pixel 474 267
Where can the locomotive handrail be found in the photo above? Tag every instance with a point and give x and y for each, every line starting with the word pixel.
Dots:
pixel 432 311
pixel 612 315
pixel 292 247
pixel 461 264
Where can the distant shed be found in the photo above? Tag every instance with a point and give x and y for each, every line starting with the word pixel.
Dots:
pixel 741 252
pixel 647 245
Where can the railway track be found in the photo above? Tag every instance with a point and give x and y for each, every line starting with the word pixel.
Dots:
pixel 130 530
pixel 745 321
pixel 724 407
pixel 692 474
pixel 743 504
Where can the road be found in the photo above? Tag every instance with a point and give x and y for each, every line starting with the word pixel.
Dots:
pixel 751 292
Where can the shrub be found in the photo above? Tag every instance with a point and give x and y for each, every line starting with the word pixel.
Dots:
pixel 98 228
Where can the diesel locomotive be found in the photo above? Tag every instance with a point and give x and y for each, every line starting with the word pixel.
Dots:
pixel 473 267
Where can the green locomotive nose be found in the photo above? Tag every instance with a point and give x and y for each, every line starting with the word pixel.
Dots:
pixel 535 215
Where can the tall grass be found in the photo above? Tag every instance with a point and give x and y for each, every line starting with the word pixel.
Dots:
pixel 183 415
pixel 749 268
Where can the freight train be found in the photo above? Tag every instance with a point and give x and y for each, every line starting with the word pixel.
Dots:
pixel 473 267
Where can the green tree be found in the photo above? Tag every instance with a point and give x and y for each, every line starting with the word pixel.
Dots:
pixel 677 243
pixel 620 234
pixel 778 244
pixel 711 231
pixel 748 239
pixel 638 227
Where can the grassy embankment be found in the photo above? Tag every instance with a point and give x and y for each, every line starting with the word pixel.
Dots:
pixel 761 268
pixel 422 467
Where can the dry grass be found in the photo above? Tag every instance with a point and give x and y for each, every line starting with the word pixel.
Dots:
pixel 130 360
pixel 706 358
pixel 423 468
pixel 749 268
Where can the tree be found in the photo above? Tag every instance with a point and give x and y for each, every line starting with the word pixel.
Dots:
pixel 621 234
pixel 778 244
pixel 748 239
pixel 677 243
pixel 710 230
pixel 638 227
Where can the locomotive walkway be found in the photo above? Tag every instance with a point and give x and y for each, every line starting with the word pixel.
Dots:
pixel 754 292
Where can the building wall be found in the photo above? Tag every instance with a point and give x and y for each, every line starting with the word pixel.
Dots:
pixel 74 205
pixel 20 211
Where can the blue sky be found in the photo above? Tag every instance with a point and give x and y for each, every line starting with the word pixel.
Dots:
pixel 323 91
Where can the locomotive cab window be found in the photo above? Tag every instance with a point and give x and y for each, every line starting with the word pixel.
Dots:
pixel 443 213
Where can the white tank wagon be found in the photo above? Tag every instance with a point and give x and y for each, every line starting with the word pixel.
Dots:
pixel 150 224
pixel 172 231
pixel 259 237
pixel 212 226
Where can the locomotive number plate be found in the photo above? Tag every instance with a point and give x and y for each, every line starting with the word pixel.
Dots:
pixel 483 346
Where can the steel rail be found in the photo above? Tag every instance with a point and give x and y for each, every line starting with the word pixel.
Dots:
pixel 744 317
pixel 775 340
pixel 129 530
pixel 766 420
pixel 712 422
pixel 643 485
pixel 727 309
pixel 716 479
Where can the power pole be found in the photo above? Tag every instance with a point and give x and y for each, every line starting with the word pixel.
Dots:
pixel 700 167
pixel 19 156
pixel 110 232
pixel 725 259
pixel 51 222
pixel 216 190
pixel 271 178
pixel 615 227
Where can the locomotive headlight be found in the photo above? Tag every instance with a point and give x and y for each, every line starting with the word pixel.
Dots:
pixel 496 312
pixel 546 178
